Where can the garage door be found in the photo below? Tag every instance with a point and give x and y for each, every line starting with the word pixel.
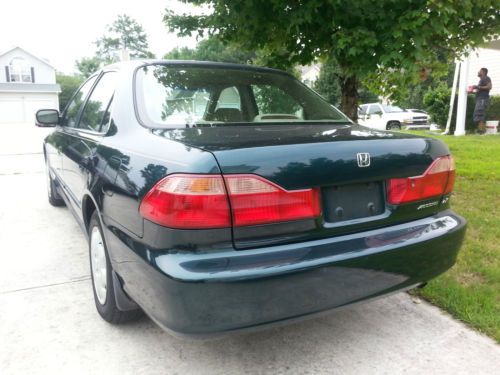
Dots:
pixel 22 109
pixel 11 110
pixel 31 106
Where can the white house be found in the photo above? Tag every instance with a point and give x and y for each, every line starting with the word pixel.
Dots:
pixel 27 84
pixel 486 57
pixel 466 75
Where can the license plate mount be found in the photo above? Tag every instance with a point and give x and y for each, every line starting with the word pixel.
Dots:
pixel 353 201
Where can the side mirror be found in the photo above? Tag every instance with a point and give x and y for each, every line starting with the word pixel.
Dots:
pixel 47 118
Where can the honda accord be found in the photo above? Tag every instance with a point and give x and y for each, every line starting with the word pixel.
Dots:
pixel 222 197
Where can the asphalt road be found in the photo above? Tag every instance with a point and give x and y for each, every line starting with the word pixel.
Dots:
pixel 48 323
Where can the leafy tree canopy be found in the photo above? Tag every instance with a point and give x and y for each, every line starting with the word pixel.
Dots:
pixel 212 49
pixel 363 36
pixel 123 33
pixel 411 94
pixel 328 85
pixel 88 65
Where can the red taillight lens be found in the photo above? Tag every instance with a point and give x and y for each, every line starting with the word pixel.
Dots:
pixel 200 201
pixel 188 202
pixel 437 180
pixel 451 177
pixel 254 200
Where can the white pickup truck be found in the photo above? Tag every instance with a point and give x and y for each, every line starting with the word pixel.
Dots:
pixel 390 117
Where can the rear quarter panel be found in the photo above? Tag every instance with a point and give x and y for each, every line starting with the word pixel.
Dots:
pixel 134 163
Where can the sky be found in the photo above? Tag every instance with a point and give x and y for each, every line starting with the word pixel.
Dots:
pixel 64 31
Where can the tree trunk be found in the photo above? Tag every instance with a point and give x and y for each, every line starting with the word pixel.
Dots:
pixel 349 100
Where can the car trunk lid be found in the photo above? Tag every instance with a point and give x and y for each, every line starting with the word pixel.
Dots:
pixel 348 163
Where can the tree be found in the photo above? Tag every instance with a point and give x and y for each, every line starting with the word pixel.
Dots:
pixel 124 33
pixel 367 96
pixel 412 94
pixel 69 84
pixel 212 49
pixel 408 90
pixel 88 65
pixel 362 36
pixel 328 85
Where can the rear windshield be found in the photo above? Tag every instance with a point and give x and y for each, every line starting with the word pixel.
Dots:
pixel 174 96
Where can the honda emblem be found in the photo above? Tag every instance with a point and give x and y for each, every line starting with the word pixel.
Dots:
pixel 363 159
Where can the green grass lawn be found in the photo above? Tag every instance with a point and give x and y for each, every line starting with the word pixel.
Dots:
pixel 470 291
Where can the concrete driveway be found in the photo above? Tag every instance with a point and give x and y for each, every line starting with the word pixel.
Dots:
pixel 48 323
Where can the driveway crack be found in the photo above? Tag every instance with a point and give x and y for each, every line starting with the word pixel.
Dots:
pixel 76 280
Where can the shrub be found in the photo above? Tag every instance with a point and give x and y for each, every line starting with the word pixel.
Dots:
pixel 494 109
pixel 437 102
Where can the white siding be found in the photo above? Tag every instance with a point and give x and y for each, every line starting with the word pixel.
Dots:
pixel 485 58
pixel 19 108
pixel 44 73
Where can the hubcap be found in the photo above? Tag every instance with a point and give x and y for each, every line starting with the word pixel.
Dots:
pixel 98 260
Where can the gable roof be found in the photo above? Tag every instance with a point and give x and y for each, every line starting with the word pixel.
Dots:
pixel 28 53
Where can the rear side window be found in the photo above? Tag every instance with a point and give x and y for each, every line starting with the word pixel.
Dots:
pixel 95 114
pixel 70 116
pixel 362 110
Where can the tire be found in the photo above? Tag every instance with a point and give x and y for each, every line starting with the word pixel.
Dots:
pixel 393 125
pixel 102 280
pixel 54 198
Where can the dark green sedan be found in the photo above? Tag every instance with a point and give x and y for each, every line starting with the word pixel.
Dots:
pixel 222 197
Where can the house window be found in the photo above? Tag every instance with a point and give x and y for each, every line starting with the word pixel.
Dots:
pixel 20 71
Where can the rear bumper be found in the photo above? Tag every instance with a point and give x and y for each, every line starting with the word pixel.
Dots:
pixel 218 292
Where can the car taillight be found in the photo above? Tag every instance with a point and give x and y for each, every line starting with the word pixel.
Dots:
pixel 437 180
pixel 188 202
pixel 200 201
pixel 255 200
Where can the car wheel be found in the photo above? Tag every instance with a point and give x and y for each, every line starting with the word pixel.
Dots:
pixel 393 125
pixel 102 280
pixel 54 198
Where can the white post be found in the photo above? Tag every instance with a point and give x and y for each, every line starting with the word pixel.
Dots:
pixel 462 97
pixel 452 98
pixel 125 55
